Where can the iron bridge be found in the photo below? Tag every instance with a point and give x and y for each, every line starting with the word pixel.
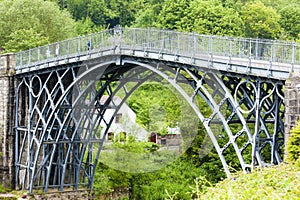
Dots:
pixel 231 84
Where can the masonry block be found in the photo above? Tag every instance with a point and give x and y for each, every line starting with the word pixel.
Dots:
pixel 7 98
pixel 292 105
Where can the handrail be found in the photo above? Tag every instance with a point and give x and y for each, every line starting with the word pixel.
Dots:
pixel 164 41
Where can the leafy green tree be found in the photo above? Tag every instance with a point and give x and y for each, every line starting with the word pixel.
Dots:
pixel 261 21
pixel 210 17
pixel 156 106
pixel 42 20
pixel 87 26
pixel 24 39
pixel 290 20
pixel 113 12
pixel 172 13
pixel 147 16
pixel 279 4
pixel 100 11
pixel 78 8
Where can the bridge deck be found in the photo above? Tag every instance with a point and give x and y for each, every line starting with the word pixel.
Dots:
pixel 264 58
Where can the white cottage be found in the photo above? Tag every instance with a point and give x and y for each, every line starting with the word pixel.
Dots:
pixel 124 121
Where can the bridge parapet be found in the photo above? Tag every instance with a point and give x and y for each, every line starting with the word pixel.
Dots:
pixel 190 46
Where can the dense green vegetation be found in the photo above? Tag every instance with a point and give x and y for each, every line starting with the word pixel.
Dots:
pixel 30 23
pixel 278 182
pixel 26 24
pixel 293 147
pixel 173 177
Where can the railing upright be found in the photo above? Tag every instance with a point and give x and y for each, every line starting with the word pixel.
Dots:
pixel 21 58
pixel 256 48
pixel 68 47
pixel 250 49
pixel 293 56
pixel 39 51
pixel 195 47
pixel 78 45
pixel 29 57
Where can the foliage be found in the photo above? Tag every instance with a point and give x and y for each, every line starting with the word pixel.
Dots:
pixel 24 39
pixel 103 13
pixel 175 178
pixel 147 16
pixel 78 8
pixel 261 21
pixel 172 13
pixel 210 17
pixel 4 189
pixel 156 106
pixel 293 146
pixel 290 20
pixel 279 4
pixel 43 21
pixel 266 19
pixel 86 26
pixel 278 182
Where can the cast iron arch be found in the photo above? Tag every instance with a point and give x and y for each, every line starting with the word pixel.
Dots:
pixel 70 129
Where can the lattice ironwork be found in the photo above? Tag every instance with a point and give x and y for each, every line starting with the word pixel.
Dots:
pixel 60 112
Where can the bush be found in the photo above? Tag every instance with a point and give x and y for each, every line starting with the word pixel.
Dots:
pixel 293 145
pixel 278 182
pixel 173 179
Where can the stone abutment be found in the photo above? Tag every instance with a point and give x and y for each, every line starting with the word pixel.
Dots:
pixel 7 115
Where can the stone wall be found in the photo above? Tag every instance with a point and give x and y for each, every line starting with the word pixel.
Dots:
pixel 292 104
pixel 65 195
pixel 7 98
pixel 170 142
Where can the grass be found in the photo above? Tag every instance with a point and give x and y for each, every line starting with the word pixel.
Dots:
pixel 278 182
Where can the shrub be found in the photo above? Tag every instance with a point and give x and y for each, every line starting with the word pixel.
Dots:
pixel 293 145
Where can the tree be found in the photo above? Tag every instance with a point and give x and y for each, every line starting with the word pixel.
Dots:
pixel 290 20
pixel 78 8
pixel 210 17
pixel 87 26
pixel 24 39
pixel 279 4
pixel 156 106
pixel 261 21
pixel 37 20
pixel 113 12
pixel 172 13
pixel 148 15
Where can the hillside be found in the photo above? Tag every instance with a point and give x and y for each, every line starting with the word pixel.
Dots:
pixel 278 182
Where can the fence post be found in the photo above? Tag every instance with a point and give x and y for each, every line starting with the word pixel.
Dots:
pixel 78 48
pixel 250 47
pixel 293 56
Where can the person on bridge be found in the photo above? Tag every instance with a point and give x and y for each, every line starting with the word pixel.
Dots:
pixel 89 45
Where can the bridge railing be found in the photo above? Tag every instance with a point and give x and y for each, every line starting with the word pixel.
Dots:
pixel 192 44
pixel 163 41
pixel 64 49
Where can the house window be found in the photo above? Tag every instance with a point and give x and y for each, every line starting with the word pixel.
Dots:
pixel 118 118
pixel 110 136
